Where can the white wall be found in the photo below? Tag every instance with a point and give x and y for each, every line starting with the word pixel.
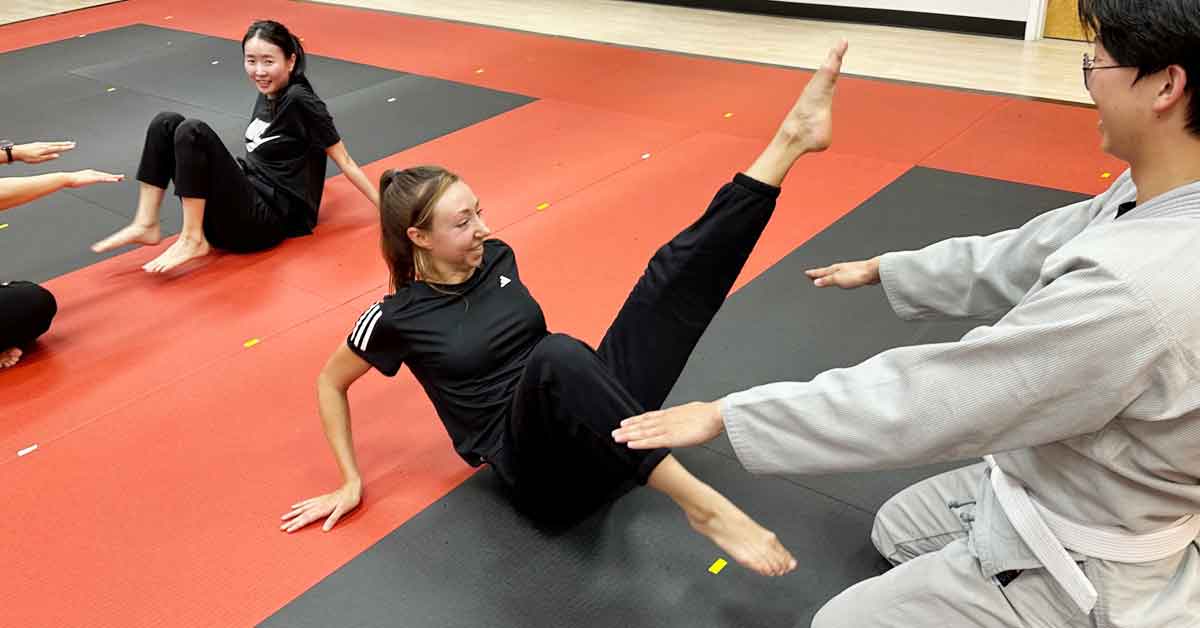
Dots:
pixel 1015 10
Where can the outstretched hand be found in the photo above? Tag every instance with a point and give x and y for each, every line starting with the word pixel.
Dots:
pixel 682 426
pixel 81 178
pixel 37 152
pixel 846 275
pixel 332 506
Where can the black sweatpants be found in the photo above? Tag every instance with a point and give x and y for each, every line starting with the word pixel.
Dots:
pixel 26 310
pixel 237 217
pixel 559 457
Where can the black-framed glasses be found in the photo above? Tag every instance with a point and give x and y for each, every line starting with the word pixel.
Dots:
pixel 1089 64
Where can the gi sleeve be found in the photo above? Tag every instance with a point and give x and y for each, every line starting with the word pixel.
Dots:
pixel 982 277
pixel 1063 363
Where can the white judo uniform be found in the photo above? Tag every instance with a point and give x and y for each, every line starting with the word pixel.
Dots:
pixel 1083 381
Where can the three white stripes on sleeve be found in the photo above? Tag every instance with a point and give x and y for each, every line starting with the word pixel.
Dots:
pixel 361 335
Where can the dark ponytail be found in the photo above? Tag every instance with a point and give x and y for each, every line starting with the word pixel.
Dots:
pixel 406 199
pixel 273 32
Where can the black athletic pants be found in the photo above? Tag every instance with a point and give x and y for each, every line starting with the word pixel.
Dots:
pixel 26 310
pixel 236 216
pixel 559 457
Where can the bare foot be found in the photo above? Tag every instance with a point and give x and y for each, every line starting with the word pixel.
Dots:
pixel 133 234
pixel 9 357
pixel 184 248
pixel 810 121
pixel 751 545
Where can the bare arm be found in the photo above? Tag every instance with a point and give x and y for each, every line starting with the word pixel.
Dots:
pixel 18 190
pixel 333 384
pixel 341 370
pixel 346 164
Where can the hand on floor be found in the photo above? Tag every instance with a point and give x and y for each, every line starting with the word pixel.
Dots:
pixel 333 505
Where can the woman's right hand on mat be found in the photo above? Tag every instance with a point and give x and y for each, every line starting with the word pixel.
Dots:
pixel 846 275
pixel 333 506
pixel 37 152
pixel 81 178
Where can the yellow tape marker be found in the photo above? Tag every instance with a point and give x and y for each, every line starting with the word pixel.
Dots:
pixel 543 206
pixel 251 342
pixel 169 17
pixel 1106 175
pixel 111 89
pixel 717 566
pixel 479 71
pixel 4 226
pixel 729 115
pixel 28 450
pixel 645 155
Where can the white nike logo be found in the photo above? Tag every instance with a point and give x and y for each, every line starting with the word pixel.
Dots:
pixel 254 137
pixel 504 281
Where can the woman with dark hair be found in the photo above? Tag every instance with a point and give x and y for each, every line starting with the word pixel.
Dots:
pixel 248 204
pixel 539 407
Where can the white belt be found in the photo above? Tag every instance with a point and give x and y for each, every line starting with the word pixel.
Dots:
pixel 1048 535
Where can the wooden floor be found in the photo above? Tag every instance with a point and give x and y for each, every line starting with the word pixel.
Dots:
pixel 19 10
pixel 1043 69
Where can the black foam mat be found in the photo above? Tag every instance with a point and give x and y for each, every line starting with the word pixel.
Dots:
pixel 103 89
pixel 469 560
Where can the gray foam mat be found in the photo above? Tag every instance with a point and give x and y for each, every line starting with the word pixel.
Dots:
pixel 103 89
pixel 207 72
pixel 469 560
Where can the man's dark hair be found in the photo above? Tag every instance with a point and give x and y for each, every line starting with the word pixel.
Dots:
pixel 1150 35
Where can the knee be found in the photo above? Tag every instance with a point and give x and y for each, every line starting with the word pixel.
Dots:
pixel 39 308
pixel 881 530
pixel 44 304
pixel 559 355
pixel 166 121
pixel 190 130
pixel 837 613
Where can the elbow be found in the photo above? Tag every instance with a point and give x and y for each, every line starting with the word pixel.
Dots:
pixel 327 383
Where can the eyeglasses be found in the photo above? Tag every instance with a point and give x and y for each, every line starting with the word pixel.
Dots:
pixel 1089 64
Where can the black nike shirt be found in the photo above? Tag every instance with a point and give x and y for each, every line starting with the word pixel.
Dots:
pixel 467 349
pixel 285 148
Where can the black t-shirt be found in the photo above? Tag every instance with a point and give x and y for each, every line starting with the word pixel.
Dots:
pixel 285 148
pixel 468 350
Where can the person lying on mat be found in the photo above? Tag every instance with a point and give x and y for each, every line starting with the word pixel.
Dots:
pixel 249 204
pixel 538 407
pixel 1085 387
pixel 26 309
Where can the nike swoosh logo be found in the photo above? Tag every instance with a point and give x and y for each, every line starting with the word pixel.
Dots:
pixel 255 143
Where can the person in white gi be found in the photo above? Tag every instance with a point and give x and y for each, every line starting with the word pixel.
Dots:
pixel 1082 389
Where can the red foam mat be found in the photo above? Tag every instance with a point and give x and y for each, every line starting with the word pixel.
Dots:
pixel 1034 142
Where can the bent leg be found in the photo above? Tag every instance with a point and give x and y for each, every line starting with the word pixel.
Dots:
pixel 26 311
